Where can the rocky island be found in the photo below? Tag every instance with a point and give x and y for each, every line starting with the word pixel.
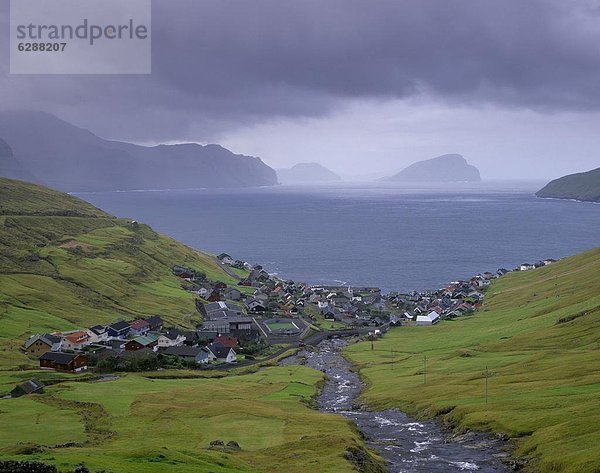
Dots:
pixel 445 168
pixel 306 172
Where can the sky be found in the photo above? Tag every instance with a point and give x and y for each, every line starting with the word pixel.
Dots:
pixel 363 87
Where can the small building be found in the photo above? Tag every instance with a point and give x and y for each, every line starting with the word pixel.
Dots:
pixel 72 362
pixel 28 387
pixel 432 318
pixel 39 344
pixel 156 323
pixel 222 353
pixel 118 330
pixel 232 293
pixel 75 340
pixel 227 341
pixel 143 341
pixel 97 334
pixel 139 327
pixel 225 258
pixel 199 355
pixel 172 338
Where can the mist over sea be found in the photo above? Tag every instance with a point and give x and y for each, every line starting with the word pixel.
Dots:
pixel 397 238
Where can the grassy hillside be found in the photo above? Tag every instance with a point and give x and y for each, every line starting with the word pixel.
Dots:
pixel 539 335
pixel 581 186
pixel 65 264
pixel 137 424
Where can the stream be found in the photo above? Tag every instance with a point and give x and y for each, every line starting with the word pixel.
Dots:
pixel 407 444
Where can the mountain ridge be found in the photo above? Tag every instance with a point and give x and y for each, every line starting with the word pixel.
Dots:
pixel 50 151
pixel 583 186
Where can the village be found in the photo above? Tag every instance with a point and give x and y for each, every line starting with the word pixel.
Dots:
pixel 245 322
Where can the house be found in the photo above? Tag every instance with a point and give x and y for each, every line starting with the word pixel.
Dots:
pixel 183 272
pixel 526 267
pixel 118 330
pixel 139 327
pixel 256 305
pixel 225 258
pixel 156 323
pixel 549 261
pixel 97 334
pixel 143 341
pixel 214 296
pixel 75 340
pixel 199 355
pixel 429 319
pixel 232 294
pixel 72 362
pixel 172 338
pixel 28 387
pixel 226 341
pixel 39 344
pixel 216 309
pixel 222 353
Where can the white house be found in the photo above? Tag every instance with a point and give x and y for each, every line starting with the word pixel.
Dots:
pixel 170 339
pixel 429 319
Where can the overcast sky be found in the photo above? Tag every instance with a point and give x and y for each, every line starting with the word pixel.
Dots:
pixel 362 87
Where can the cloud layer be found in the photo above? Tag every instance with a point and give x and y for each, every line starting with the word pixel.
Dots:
pixel 221 65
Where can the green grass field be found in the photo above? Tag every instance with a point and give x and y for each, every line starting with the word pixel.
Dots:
pixel 276 326
pixel 65 264
pixel 539 335
pixel 160 425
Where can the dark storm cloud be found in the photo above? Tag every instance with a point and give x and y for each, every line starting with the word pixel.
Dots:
pixel 219 64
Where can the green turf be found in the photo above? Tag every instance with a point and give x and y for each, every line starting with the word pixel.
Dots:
pixel 65 264
pixel 539 335
pixel 159 425
pixel 276 326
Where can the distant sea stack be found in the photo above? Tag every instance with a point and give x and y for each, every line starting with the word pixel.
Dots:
pixel 49 151
pixel 446 168
pixel 306 172
pixel 584 186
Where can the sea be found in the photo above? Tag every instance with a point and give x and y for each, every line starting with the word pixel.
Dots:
pixel 398 238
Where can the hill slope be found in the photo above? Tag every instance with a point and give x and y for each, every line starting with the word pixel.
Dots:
pixel 52 152
pixel 538 333
pixel 581 186
pixel 66 264
pixel 306 172
pixel 445 168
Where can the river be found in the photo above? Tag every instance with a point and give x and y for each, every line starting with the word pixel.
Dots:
pixel 407 444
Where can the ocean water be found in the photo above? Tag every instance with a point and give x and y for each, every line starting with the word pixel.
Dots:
pixel 397 238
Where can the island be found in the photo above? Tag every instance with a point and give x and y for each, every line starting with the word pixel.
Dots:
pixel 305 173
pixel 442 169
pixel 583 186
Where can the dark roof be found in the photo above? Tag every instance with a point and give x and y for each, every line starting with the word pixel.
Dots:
pixel 184 351
pixel 173 334
pixel 98 329
pixel 219 350
pixel 120 325
pixel 30 386
pixel 58 357
pixel 154 320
